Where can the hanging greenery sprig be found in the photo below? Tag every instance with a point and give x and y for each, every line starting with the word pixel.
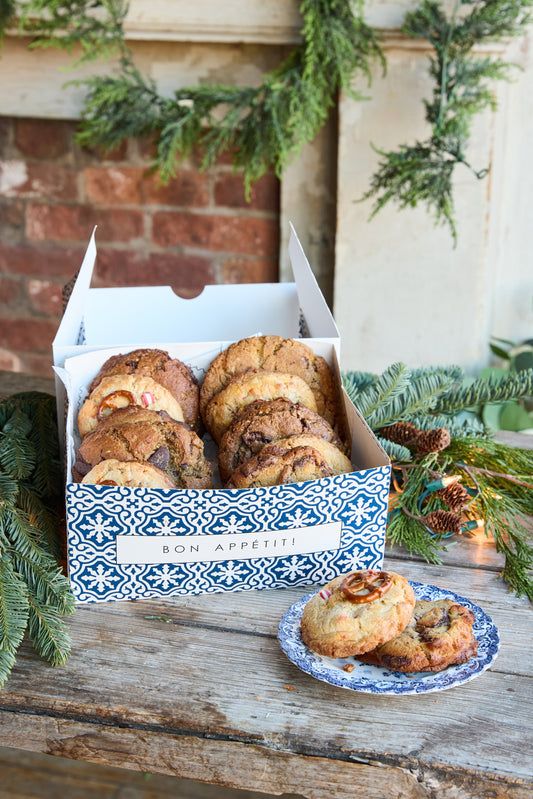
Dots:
pixel 262 127
pixel 427 421
pixel 34 593
pixel 422 173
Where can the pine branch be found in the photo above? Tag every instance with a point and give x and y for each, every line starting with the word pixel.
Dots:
pixel 13 615
pixel 34 593
pixel 422 173
pixel 263 127
pixel 511 386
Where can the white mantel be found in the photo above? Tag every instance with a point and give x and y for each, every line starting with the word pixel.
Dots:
pixel 401 291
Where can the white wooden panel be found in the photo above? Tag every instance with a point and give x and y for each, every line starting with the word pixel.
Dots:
pixel 402 291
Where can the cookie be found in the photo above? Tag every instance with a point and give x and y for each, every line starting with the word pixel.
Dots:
pixel 264 422
pixel 270 460
pixel 132 474
pixel 357 612
pixel 243 389
pixel 119 391
pixel 140 434
pixel 275 466
pixel 276 354
pixel 439 634
pixel 171 373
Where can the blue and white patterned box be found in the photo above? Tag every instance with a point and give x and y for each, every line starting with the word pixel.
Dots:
pixel 130 543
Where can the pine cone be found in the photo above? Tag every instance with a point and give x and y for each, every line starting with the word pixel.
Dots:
pixel 432 440
pixel 400 433
pixel 443 521
pixel 455 496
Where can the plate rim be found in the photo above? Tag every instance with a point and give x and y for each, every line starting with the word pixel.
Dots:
pixel 462 672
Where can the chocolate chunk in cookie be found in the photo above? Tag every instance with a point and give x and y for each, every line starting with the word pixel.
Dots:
pixel 137 434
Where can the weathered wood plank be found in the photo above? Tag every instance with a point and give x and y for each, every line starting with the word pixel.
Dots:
pixel 253 767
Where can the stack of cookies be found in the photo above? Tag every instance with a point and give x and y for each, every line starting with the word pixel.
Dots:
pixel 272 406
pixel 140 425
pixel 374 616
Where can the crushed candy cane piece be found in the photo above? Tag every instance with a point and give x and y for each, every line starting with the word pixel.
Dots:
pixel 324 593
pixel 147 398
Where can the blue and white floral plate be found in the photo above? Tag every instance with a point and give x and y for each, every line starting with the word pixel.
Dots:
pixel 378 680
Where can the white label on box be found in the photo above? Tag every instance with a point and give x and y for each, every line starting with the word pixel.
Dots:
pixel 141 549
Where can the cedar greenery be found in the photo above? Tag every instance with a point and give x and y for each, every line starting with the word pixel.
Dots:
pixel 263 127
pixel 500 477
pixel 422 173
pixel 34 592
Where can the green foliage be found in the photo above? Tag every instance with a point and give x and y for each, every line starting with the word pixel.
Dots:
pixel 500 476
pixel 262 127
pixel 422 173
pixel 34 593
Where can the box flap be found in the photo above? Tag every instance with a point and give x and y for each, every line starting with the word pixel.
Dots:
pixel 156 313
pixel 318 317
pixel 127 316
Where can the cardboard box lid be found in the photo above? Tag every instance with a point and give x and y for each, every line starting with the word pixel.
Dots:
pixel 96 318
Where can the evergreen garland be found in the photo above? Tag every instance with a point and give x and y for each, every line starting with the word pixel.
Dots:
pixel 34 593
pixel 402 406
pixel 262 127
pixel 463 87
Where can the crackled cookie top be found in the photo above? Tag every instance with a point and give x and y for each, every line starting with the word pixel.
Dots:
pixel 275 354
pixel 265 422
pixel 438 635
pixel 171 373
pixel 357 612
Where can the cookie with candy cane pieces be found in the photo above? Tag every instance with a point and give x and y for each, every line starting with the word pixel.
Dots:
pixel 121 391
pixel 357 612
pixel 171 373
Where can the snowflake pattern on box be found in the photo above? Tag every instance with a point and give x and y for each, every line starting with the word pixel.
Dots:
pixel 98 514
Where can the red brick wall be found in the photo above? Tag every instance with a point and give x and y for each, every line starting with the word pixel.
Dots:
pixel 196 230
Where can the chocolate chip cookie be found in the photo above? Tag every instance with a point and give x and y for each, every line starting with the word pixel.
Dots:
pixel 439 634
pixel 132 474
pixel 140 434
pixel 276 466
pixel 265 422
pixel 357 612
pixel 267 467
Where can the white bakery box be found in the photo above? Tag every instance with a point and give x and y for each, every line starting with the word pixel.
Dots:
pixel 128 543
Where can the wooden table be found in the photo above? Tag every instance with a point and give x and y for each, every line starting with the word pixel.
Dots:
pixel 198 687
